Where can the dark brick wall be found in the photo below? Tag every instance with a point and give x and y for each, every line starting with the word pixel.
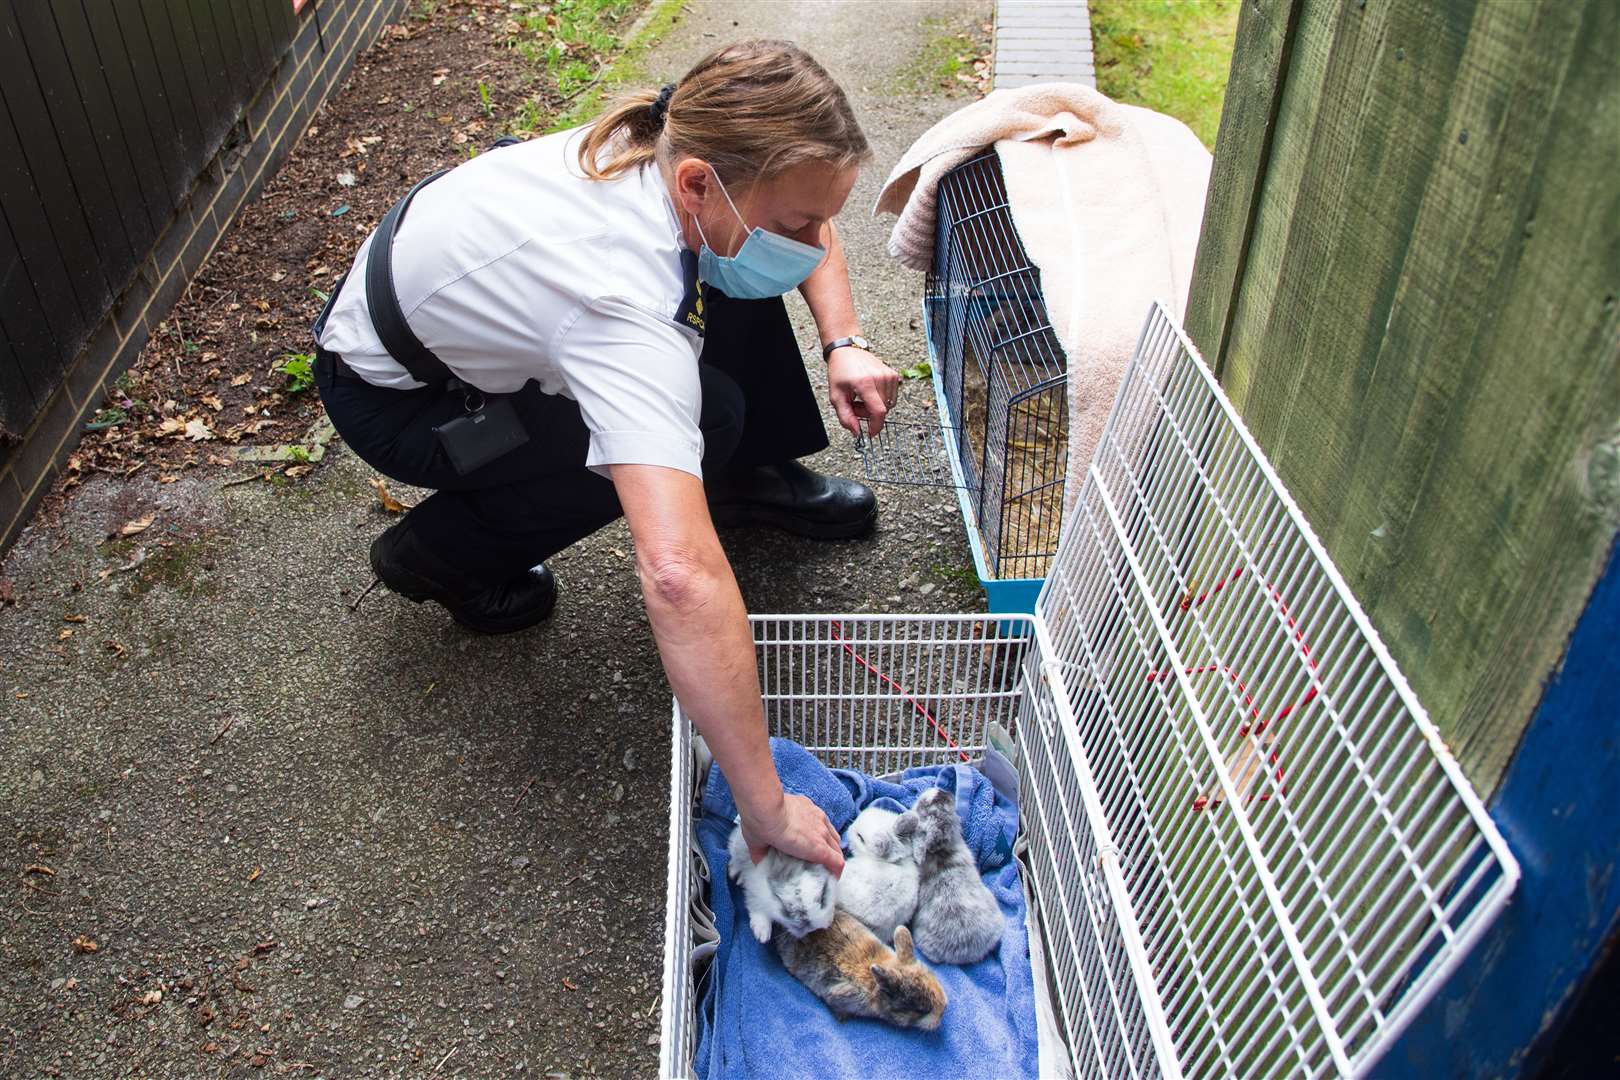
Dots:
pixel 319 57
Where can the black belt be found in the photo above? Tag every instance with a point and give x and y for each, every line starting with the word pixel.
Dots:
pixel 340 371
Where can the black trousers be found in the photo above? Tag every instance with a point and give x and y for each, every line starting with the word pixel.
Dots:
pixel 508 515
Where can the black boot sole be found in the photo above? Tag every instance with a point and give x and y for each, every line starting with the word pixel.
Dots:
pixel 734 516
pixel 418 589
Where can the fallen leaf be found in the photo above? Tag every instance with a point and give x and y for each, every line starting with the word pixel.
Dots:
pixel 167 478
pixel 74 618
pixel 172 426
pixel 113 647
pixel 39 868
pixel 257 870
pixel 242 379
pixel 197 431
pixel 264 946
pixel 139 525
pixel 569 985
pixel 389 503
pixel 64 635
pixel 213 402
pixel 295 471
pixel 85 944
pixel 151 997
pixel 210 1048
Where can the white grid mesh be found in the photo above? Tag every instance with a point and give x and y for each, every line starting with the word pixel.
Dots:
pixel 1250 853
pixel 1303 856
pixel 886 693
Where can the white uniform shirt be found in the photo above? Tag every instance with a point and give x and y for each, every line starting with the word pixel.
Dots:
pixel 514 266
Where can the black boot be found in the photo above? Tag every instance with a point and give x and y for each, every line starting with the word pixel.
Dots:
pixel 792 498
pixel 417 573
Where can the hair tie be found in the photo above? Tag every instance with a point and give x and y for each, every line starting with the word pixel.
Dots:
pixel 659 109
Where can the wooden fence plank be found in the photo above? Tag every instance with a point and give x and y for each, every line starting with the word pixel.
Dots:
pixel 34 161
pixel 253 62
pixel 1243 145
pixel 209 62
pixel 41 307
pixel 170 63
pixel 118 127
pixel 254 18
pixel 1423 333
pixel 104 204
pixel 22 329
pixel 1360 179
pixel 17 405
pixel 132 68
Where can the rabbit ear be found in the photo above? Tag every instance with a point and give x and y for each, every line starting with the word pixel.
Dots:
pixel 902 945
pixel 905 826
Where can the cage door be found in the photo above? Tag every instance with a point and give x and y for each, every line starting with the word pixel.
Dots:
pixel 909 452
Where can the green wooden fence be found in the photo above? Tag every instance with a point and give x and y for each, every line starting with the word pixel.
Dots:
pixel 1407 283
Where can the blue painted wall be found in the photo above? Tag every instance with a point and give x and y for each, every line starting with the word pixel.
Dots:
pixel 1559 807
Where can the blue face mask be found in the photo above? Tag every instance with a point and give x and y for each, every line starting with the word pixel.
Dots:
pixel 766 265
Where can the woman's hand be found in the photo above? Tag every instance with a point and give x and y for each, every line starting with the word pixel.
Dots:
pixel 861 386
pixel 800 829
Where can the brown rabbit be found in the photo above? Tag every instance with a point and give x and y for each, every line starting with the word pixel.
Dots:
pixel 847 967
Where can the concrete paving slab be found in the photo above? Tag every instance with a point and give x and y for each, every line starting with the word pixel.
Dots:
pixel 309 839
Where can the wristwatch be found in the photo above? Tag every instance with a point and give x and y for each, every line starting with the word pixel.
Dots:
pixel 855 340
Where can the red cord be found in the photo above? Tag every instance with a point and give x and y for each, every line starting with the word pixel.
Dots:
pixel 1189 603
pixel 837 632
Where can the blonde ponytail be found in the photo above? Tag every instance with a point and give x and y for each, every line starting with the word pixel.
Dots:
pixel 753 110
pixel 628 129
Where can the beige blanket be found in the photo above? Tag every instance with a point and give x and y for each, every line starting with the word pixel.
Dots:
pixel 1107 199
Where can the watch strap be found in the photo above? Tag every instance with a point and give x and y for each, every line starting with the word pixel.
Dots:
pixel 854 339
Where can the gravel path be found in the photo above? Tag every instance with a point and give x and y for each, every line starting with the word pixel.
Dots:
pixel 250 831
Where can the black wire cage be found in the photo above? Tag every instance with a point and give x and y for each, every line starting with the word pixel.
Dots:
pixel 1001 378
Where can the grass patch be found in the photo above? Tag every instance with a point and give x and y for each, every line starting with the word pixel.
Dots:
pixel 628 68
pixel 1172 56
pixel 570 40
pixel 946 59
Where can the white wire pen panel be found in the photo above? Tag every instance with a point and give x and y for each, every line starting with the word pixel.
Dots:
pixel 885 693
pixel 1303 857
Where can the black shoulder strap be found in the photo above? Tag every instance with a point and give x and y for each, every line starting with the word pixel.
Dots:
pixel 383 302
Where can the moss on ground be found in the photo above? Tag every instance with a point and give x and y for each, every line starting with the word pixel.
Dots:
pixel 945 61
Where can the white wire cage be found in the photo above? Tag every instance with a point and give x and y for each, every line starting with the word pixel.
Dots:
pixel 1249 851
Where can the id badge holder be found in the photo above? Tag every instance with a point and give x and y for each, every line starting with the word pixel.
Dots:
pixel 489 429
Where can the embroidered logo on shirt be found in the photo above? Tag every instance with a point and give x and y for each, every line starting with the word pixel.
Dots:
pixel 690 313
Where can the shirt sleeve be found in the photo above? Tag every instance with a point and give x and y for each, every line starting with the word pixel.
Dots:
pixel 635 377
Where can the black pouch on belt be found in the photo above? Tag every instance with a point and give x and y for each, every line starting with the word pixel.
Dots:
pixel 481 435
pixel 490 426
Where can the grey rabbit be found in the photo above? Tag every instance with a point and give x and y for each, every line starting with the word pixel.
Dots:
pixel 847 967
pixel 799 896
pixel 958 920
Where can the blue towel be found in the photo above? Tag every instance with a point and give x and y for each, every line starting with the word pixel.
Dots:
pixel 756 1020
